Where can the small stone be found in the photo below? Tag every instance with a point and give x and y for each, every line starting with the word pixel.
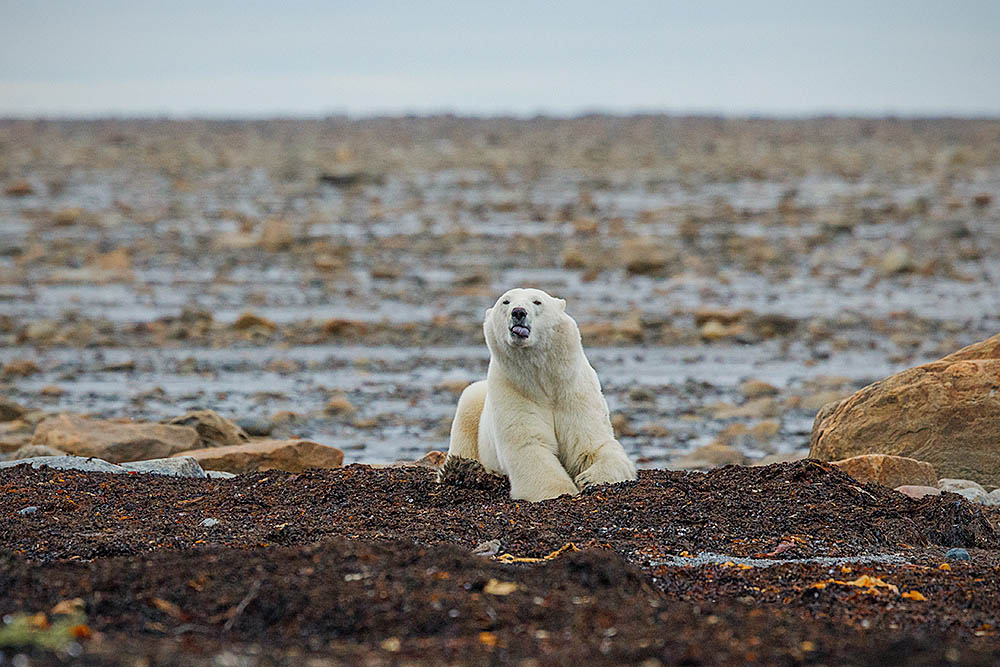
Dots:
pixel 9 410
pixel 20 368
pixel 19 188
pixel 249 320
pixel 209 523
pixel 213 429
pixel 256 427
pixel 219 474
pixel 757 389
pixel 25 511
pixel 917 492
pixel 898 260
pixel 957 554
pixel 339 405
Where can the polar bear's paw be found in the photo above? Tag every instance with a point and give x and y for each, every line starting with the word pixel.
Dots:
pixel 605 472
pixel 469 474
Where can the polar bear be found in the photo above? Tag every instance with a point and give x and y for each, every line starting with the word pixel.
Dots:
pixel 539 417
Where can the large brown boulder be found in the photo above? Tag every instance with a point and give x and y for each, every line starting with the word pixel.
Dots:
pixel 891 471
pixel 946 413
pixel 290 455
pixel 113 441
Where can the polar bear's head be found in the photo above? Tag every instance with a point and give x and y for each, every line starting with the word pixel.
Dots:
pixel 525 318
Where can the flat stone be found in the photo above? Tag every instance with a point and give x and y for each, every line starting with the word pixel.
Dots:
pixel 290 455
pixel 219 474
pixel 177 466
pixel 81 463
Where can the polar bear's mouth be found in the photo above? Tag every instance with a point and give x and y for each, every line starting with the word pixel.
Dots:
pixel 520 330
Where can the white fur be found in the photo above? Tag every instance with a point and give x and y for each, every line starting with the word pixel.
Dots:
pixel 539 417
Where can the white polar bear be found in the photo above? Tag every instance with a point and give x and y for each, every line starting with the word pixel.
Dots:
pixel 539 417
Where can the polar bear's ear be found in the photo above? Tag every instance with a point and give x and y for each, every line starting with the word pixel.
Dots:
pixel 562 305
pixel 489 310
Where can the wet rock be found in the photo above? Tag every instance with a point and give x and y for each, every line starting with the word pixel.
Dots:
pixel 9 410
pixel 40 331
pixel 759 408
pixel 757 389
pixel 957 554
pixel 249 321
pixel 772 325
pixel 918 492
pixel 25 511
pixel 453 386
pixel 712 455
pixel 891 471
pixel 644 256
pixel 897 260
pixel 20 368
pixel 782 457
pixel 179 466
pixel 213 429
pixel 34 451
pixel 276 235
pixel 112 440
pixel 339 405
pixel 290 455
pixel 256 427
pixel 19 188
pixel 209 523
pixel 81 463
pixel 943 412
pixel 67 216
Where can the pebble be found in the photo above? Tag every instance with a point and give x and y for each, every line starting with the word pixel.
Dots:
pixel 209 523
pixel 957 554
pixel 27 510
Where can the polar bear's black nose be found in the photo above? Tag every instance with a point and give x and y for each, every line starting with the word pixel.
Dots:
pixel 518 314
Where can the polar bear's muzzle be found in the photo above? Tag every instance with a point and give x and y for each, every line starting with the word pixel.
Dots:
pixel 519 327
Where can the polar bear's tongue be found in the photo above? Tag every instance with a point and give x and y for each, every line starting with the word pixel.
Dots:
pixel 519 330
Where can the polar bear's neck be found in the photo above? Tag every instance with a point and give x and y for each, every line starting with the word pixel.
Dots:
pixel 544 372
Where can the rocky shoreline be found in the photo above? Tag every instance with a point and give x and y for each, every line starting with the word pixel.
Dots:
pixel 216 338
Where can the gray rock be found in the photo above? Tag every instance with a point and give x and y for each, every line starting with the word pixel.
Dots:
pixel 956 485
pixel 965 487
pixel 67 462
pixel 219 474
pixel 177 466
pixel 209 523
pixel 993 497
pixel 256 427
pixel 957 554
pixel 27 510
pixel 34 451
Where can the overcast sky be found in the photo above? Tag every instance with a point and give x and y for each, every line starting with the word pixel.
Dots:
pixel 216 57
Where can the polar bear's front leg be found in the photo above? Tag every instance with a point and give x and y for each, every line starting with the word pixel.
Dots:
pixel 527 449
pixel 592 454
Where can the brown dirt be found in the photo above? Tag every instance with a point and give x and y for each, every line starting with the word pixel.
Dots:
pixel 375 565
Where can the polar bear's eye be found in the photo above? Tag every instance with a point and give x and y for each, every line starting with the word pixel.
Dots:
pixel 505 302
pixel 537 302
